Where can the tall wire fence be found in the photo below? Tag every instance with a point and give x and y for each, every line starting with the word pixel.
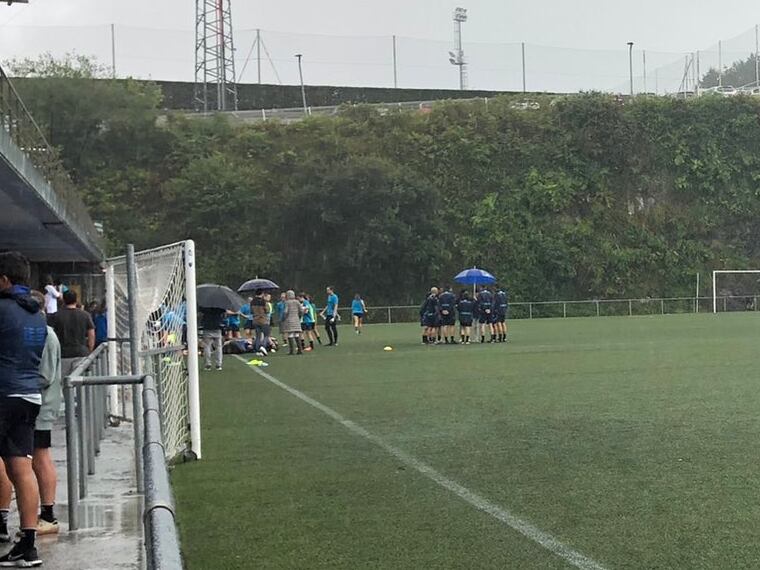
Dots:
pixel 381 61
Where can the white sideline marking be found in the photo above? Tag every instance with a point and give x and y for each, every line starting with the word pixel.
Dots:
pixel 481 503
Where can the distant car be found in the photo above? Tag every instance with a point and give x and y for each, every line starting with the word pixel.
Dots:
pixel 723 91
pixel 526 105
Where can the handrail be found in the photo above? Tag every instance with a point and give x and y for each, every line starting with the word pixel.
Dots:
pixel 85 396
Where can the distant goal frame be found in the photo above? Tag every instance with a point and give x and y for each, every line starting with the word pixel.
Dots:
pixel 717 272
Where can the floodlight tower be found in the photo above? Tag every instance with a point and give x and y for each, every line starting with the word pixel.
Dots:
pixel 457 58
pixel 215 80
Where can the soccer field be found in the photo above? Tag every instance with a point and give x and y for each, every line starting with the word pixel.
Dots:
pixel 592 443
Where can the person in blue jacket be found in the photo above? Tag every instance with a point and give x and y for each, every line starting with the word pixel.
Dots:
pixel 23 333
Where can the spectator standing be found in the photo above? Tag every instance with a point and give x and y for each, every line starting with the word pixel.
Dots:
pixel 281 317
pixel 52 296
pixel 261 321
pixel 211 323
pixel 75 331
pixel 291 325
pixel 23 333
pixel 42 459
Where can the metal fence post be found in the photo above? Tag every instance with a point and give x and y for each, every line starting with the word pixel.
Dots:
pixel 724 304
pixel 597 308
pixel 389 315
pixel 630 308
pixel 662 306
pixel 530 310
pixel 81 434
pixel 92 443
pixel 134 354
pixel 564 310
pixel 72 451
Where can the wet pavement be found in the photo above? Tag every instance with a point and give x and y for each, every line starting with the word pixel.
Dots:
pixel 110 534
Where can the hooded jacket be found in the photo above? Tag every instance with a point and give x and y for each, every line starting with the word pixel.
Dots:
pixel 23 332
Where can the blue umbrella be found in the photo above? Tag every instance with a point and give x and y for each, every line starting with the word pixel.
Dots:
pixel 475 276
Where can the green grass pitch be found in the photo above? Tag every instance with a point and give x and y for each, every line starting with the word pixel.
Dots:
pixel 634 441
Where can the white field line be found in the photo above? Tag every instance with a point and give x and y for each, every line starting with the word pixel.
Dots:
pixel 481 503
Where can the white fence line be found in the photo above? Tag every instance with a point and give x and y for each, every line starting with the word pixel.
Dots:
pixel 586 308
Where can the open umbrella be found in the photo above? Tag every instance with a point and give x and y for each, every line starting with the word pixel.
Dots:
pixel 257 283
pixel 210 296
pixel 475 276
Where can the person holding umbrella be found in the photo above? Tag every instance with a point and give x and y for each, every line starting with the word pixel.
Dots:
pixel 214 302
pixel 484 301
pixel 465 308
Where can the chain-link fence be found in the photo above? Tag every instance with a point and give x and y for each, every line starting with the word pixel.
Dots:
pixel 264 56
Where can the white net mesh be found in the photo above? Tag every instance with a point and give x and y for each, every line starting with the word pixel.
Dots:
pixel 161 318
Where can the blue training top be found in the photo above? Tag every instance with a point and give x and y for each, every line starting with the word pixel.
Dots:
pixel 357 306
pixel 308 316
pixel 332 303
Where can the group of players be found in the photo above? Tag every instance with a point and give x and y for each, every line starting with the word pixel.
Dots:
pixel 487 311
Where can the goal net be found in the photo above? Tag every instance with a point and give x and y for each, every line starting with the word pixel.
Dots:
pixel 166 321
pixel 735 290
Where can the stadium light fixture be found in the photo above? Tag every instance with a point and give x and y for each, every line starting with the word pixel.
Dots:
pixel 460 16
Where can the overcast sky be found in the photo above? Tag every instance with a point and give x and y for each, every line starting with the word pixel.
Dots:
pixel 674 26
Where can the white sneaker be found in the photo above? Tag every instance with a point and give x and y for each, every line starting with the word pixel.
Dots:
pixel 45 527
pixel 263 351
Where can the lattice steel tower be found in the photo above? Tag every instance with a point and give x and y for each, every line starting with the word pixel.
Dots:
pixel 215 80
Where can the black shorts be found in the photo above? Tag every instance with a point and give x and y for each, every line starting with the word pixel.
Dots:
pixel 430 321
pixel 465 323
pixel 498 318
pixel 17 417
pixel 42 439
pixel 447 320
pixel 307 326
pixel 249 325
pixel 233 328
pixel 360 315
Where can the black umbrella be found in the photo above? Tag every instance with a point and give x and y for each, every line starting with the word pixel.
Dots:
pixel 210 296
pixel 257 283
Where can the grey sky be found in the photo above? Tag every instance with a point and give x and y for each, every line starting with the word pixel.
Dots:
pixel 670 26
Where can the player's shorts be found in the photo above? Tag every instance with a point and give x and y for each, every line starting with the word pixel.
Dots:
pixel 17 417
pixel 430 321
pixel 307 326
pixel 42 439
pixel 465 322
pixel 233 328
pixel 359 315
pixel 248 325
pixel 448 320
pixel 485 318
pixel 498 318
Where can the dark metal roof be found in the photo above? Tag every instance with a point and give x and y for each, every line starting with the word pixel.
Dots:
pixel 36 219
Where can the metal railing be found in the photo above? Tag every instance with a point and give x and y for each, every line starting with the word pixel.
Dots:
pixel 87 417
pixel 585 308
pixel 24 131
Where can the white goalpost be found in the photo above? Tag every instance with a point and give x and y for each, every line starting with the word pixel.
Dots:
pixel 727 272
pixel 167 321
